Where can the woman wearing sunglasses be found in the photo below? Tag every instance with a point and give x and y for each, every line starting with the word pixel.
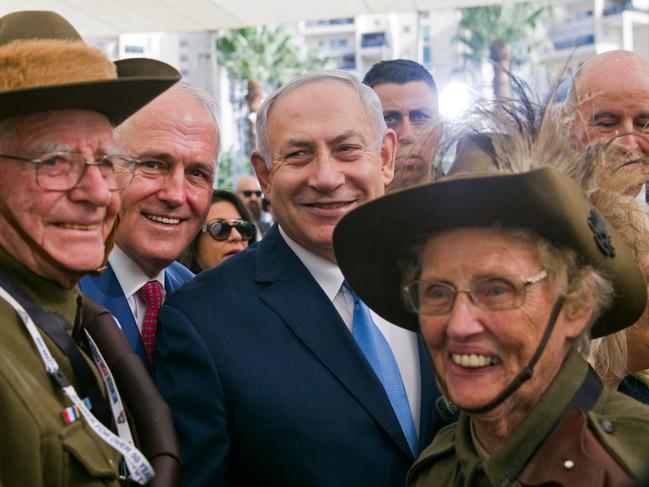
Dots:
pixel 228 230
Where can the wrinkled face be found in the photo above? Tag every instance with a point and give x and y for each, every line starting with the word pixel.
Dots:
pixel 614 100
pixel 411 110
pixel 477 352
pixel 71 226
pixel 210 252
pixel 166 203
pixel 249 191
pixel 325 161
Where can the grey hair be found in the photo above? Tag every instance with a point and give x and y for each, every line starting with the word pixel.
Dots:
pixel 568 277
pixel 204 99
pixel 368 97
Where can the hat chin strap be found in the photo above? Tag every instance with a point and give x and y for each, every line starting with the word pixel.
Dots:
pixel 526 373
pixel 43 254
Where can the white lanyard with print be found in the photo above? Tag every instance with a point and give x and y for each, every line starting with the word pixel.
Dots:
pixel 139 467
pixel 116 405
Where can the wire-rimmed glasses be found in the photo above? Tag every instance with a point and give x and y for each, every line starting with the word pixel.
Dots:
pixel 62 171
pixel 493 293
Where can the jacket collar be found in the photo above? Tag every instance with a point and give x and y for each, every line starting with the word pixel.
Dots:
pixel 510 459
pixel 318 326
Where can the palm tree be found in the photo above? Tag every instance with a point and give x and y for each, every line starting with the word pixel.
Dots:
pixel 488 32
pixel 259 59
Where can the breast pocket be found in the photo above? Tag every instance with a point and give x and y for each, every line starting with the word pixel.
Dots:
pixel 88 461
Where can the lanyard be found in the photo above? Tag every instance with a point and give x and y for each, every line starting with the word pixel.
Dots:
pixel 54 327
pixel 116 405
pixel 139 467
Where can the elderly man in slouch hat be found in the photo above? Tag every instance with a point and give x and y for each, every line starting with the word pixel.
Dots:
pixel 60 170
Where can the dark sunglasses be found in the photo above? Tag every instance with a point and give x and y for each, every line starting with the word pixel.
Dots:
pixel 248 193
pixel 221 229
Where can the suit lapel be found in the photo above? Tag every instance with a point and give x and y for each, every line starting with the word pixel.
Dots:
pixel 109 294
pixel 170 282
pixel 429 393
pixel 317 324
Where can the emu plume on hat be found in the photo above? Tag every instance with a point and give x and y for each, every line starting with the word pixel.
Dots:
pixel 522 173
pixel 45 65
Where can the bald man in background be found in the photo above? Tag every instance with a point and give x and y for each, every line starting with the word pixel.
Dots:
pixel 249 191
pixel 611 93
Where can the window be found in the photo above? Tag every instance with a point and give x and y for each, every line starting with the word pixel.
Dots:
pixel 134 49
pixel 374 39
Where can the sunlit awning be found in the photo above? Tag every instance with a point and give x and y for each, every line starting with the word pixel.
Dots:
pixel 112 17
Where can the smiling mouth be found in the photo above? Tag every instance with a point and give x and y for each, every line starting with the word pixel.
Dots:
pixel 76 226
pixel 329 206
pixel 162 219
pixel 473 360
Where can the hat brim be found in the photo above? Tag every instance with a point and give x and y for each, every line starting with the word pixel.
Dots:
pixel 139 81
pixel 370 241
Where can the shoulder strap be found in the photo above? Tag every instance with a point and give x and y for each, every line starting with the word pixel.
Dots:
pixel 151 415
pixel 55 328
pixel 583 401
pixel 587 395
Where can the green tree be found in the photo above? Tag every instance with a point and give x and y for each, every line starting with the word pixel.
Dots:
pixel 259 59
pixel 489 32
pixel 231 165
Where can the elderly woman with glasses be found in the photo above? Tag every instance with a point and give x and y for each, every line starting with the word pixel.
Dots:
pixel 228 230
pixel 507 276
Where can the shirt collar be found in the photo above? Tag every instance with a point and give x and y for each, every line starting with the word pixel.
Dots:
pixel 48 294
pixel 327 274
pixel 130 276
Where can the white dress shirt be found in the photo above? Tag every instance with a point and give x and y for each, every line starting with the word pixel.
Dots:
pixel 131 279
pixel 402 342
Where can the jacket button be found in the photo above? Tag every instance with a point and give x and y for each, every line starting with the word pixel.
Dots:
pixel 568 464
pixel 607 425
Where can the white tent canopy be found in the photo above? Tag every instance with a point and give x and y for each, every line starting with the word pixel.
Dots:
pixel 112 17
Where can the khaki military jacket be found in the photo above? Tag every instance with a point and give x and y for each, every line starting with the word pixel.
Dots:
pixel 37 448
pixel 620 423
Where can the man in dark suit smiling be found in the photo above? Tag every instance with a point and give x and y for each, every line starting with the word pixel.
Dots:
pixel 276 373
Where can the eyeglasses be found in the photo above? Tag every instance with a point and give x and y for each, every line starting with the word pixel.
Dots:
pixel 489 293
pixel 248 194
pixel 62 171
pixel 221 229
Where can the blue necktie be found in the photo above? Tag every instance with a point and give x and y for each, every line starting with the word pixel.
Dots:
pixel 379 354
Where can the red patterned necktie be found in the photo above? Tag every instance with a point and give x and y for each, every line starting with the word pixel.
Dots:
pixel 152 294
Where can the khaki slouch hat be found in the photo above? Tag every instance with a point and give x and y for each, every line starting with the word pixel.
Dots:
pixel 45 65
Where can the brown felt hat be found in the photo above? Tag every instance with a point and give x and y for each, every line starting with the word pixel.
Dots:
pixel 45 65
pixel 370 241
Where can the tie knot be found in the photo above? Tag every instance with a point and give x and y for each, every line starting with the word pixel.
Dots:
pixel 351 292
pixel 152 294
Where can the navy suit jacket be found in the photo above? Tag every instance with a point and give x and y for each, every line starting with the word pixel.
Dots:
pixel 267 385
pixel 106 290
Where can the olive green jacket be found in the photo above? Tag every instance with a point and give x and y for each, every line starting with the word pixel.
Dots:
pixel 620 423
pixel 37 448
